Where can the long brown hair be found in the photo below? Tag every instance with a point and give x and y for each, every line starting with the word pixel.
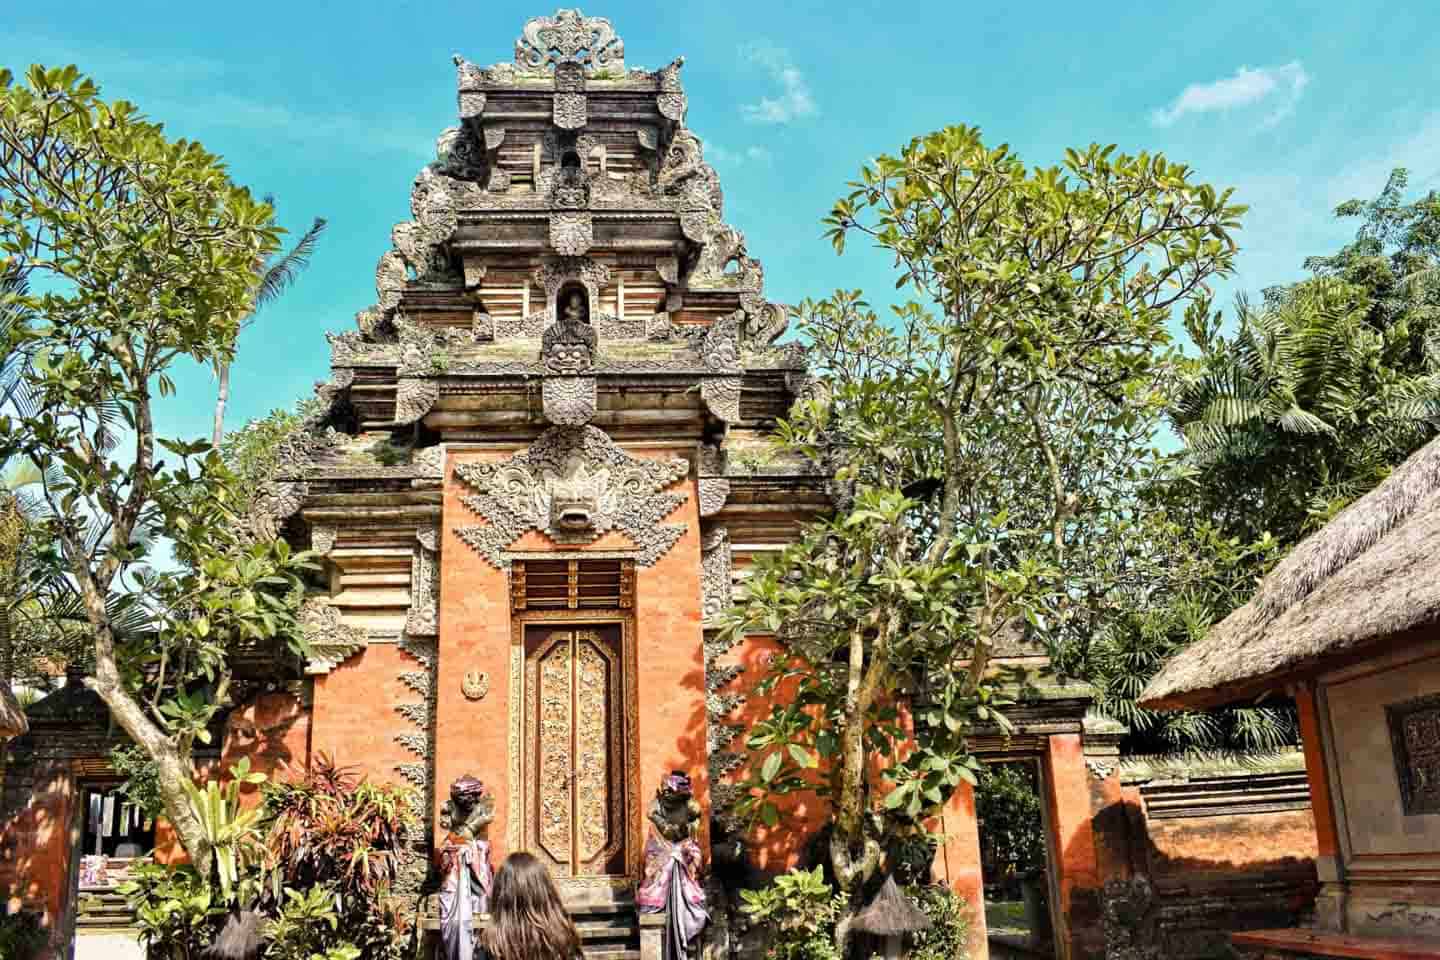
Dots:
pixel 527 919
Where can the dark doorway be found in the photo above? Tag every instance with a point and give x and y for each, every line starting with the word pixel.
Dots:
pixel 1015 860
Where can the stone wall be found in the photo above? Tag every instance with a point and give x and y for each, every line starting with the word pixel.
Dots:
pixel 1194 852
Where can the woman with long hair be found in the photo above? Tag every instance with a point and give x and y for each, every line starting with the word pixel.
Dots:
pixel 527 919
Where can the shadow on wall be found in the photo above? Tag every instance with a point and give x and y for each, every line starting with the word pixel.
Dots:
pixel 1184 883
pixel 777 849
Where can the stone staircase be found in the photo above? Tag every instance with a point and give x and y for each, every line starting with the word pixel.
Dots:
pixel 101 908
pixel 609 930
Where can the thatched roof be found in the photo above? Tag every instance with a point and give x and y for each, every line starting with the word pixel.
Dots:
pixel 890 914
pixel 1368 574
pixel 12 717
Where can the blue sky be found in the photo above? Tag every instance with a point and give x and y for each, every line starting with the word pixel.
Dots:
pixel 333 108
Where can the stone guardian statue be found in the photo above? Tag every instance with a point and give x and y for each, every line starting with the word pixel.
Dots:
pixel 465 868
pixel 671 883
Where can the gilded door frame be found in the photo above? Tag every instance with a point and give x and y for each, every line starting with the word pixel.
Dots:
pixel 519 621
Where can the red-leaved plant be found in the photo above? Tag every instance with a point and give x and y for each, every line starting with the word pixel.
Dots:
pixel 335 828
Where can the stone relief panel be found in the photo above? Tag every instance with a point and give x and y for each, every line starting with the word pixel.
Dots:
pixel 423 619
pixel 573 484
pixel 715 575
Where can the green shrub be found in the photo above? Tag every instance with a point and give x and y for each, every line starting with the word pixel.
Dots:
pixel 178 912
pixel 800 910
pixel 21 937
pixel 949 937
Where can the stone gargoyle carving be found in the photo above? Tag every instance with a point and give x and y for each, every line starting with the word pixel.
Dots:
pixel 573 484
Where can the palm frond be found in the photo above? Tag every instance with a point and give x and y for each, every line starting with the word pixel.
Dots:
pixel 280 273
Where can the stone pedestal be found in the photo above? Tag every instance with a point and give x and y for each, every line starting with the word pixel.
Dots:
pixel 652 934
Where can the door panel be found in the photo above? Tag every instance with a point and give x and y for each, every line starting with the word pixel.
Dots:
pixel 574 745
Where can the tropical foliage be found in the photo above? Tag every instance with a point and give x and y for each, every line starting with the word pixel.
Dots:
pixel 146 253
pixel 992 433
pixel 1307 403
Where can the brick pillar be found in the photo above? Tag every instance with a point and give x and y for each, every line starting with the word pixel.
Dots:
pixel 957 863
pixel 1075 869
pixel 1330 903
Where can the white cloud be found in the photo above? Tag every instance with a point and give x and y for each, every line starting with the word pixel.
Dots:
pixel 725 157
pixel 794 100
pixel 1280 86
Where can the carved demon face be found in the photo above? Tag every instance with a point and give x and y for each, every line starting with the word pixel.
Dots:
pixel 568 358
pixel 575 498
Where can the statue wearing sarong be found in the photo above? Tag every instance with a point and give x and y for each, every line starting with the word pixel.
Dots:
pixel 671 884
pixel 464 861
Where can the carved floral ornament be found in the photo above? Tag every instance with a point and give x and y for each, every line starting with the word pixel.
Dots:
pixel 573 484
pixel 569 37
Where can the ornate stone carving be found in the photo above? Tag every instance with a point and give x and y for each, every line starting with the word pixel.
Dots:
pixel 569 401
pixel 697 224
pixel 471 104
pixel 725 249
pixel 322 539
pixel 428 463
pixel 568 345
pixel 722 397
pixel 713 492
pixel 573 484
pixel 569 109
pixel 475 685
pixel 720 350
pixel 390 278
pixel 669 268
pixel 1415 744
pixel 764 322
pixel 276 503
pixel 686 176
pixel 571 234
pixel 423 619
pixel 715 575
pixel 569 37
pixel 494 136
pixel 647 138
pixel 1102 768
pixel 468 76
pixel 330 639
pixel 414 397
pixel 671 98
pixel 482 326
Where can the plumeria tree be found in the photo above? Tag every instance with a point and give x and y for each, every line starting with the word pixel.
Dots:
pixel 989 432
pixel 140 252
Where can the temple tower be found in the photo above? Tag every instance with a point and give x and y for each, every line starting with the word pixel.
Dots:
pixel 541 461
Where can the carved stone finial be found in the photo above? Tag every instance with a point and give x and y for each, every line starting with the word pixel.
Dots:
pixel 569 37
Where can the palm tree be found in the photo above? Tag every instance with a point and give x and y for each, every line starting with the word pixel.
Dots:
pixel 274 277
pixel 1305 408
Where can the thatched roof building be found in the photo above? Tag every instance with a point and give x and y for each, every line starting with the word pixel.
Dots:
pixel 1366 578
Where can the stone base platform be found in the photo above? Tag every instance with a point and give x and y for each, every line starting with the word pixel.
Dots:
pixel 1296 944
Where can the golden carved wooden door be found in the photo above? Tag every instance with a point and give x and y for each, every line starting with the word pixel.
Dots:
pixel 574 749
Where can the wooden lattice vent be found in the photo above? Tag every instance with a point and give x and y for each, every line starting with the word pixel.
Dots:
pixel 572 584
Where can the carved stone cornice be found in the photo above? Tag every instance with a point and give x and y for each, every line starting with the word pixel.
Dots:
pixel 331 641
pixel 573 484
pixel 713 492
pixel 415 397
pixel 722 397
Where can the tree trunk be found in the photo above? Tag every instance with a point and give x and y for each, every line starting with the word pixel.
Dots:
pixel 222 396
